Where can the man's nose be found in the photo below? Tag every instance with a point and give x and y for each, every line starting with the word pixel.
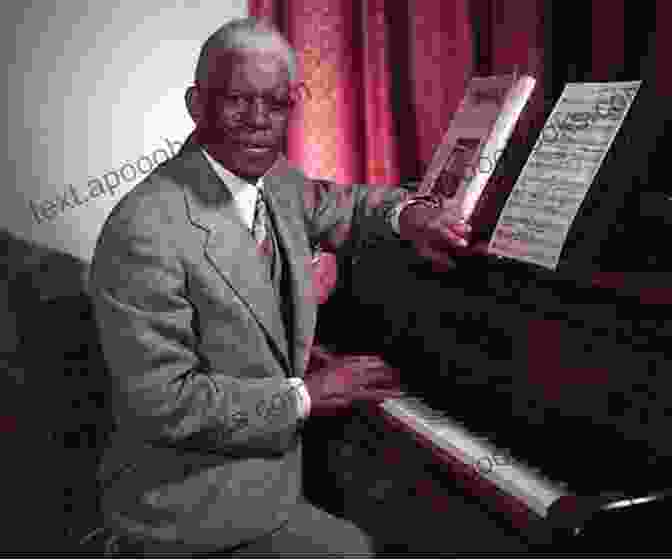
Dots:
pixel 257 113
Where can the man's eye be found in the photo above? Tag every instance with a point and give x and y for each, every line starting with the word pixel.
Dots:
pixel 234 99
pixel 280 104
pixel 239 102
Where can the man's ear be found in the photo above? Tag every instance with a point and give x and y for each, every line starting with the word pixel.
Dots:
pixel 195 104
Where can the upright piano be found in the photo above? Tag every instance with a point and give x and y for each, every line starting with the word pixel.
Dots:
pixel 544 395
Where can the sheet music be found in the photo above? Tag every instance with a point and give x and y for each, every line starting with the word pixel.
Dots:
pixel 543 203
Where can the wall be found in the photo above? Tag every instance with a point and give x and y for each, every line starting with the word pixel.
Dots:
pixel 91 87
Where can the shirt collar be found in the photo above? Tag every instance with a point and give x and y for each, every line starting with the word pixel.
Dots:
pixel 235 183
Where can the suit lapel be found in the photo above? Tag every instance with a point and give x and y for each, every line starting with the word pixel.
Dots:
pixel 229 246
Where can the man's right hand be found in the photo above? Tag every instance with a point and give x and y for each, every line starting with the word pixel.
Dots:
pixel 334 388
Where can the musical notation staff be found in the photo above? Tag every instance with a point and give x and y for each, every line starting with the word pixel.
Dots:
pixel 536 219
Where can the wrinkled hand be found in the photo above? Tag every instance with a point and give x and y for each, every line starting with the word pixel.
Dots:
pixel 334 388
pixel 320 357
pixel 438 234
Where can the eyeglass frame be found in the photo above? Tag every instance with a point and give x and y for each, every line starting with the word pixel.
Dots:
pixel 274 107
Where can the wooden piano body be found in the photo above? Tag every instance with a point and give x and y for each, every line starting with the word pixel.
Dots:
pixel 565 373
pixel 569 378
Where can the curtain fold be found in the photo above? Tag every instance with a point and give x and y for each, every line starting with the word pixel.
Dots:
pixel 326 136
pixel 379 72
pixel 441 53
pixel 382 143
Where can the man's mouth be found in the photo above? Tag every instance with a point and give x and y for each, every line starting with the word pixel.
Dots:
pixel 256 149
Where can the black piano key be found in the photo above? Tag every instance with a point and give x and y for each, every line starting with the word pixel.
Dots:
pixel 471 330
pixel 588 457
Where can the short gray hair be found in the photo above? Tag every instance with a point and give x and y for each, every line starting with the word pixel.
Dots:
pixel 246 34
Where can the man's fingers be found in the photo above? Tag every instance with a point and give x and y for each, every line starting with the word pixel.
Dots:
pixel 365 366
pixel 448 228
pixel 463 229
pixel 377 395
pixel 372 358
pixel 379 378
pixel 454 237
pixel 337 405
pixel 445 237
pixel 438 256
pixel 449 219
pixel 359 360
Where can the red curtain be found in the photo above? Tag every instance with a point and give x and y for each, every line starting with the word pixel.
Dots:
pixel 384 76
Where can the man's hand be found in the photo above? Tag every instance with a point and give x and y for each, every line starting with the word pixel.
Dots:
pixel 334 388
pixel 436 233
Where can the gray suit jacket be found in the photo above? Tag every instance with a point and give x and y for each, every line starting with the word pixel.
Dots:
pixel 207 448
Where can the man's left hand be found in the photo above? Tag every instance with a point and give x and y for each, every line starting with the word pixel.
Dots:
pixel 436 233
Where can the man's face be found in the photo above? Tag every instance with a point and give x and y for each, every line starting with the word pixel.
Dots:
pixel 246 101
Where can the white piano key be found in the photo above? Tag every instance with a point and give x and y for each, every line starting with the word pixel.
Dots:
pixel 518 479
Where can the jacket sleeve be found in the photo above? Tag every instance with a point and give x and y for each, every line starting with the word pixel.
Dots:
pixel 164 392
pixel 346 219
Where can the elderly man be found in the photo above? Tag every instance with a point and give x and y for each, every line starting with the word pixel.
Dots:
pixel 201 281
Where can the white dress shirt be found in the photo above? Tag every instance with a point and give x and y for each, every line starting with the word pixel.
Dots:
pixel 245 198
pixel 244 193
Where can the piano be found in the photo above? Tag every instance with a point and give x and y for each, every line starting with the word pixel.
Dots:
pixel 544 395
pixel 550 402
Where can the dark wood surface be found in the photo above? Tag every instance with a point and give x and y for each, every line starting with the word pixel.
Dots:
pixel 398 493
pixel 568 365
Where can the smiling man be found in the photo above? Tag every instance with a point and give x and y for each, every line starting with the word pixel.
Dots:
pixel 202 286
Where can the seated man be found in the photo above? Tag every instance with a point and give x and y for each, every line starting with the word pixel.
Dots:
pixel 201 282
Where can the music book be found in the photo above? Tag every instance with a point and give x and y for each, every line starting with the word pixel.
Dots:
pixel 475 140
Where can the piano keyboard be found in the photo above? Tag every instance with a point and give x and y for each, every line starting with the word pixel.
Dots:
pixel 513 478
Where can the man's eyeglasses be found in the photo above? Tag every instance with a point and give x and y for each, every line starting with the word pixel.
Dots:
pixel 237 104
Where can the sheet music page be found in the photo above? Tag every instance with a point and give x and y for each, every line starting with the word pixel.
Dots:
pixel 543 203
pixel 477 134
